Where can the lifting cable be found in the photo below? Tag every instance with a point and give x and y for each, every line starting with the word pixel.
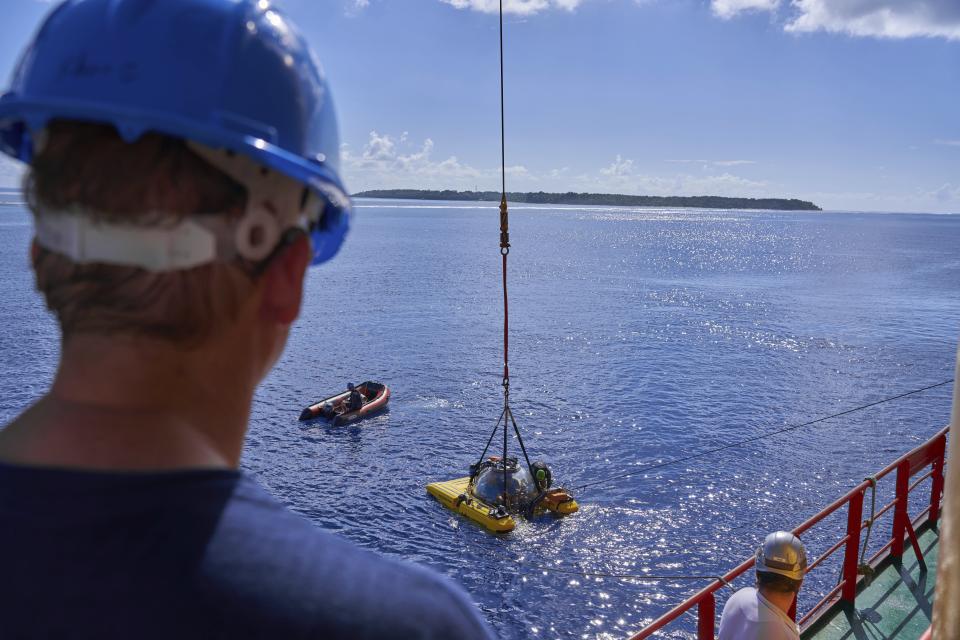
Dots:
pixel 769 434
pixel 640 577
pixel 507 414
pixel 504 239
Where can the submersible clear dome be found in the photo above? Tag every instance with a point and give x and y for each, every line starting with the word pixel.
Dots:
pixel 488 484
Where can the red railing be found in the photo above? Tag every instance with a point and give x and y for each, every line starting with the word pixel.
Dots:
pixel 930 454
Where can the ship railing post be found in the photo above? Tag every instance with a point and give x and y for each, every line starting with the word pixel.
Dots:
pixel 706 617
pixel 900 511
pixel 852 549
pixel 936 486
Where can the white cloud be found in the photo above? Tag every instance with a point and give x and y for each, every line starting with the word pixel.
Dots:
pixel 879 18
pixel 727 9
pixel 518 171
pixel 865 18
pixel 946 195
pixel 620 177
pixel 948 143
pixel 388 162
pixel 517 7
pixel 725 184
pixel 715 163
pixel 382 147
pixel 732 163
pixel 945 199
pixel 619 168
pixel 393 162
pixel 355 7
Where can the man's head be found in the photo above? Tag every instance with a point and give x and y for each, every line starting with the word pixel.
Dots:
pixel 89 170
pixel 775 583
pixel 157 160
pixel 780 563
pixel 155 184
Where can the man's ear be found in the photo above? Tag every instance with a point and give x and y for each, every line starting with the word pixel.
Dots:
pixel 283 282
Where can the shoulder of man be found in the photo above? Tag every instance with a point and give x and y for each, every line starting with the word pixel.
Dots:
pixel 272 553
pixel 739 615
pixel 745 597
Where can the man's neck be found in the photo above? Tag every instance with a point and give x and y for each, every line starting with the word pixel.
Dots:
pixel 122 403
pixel 779 599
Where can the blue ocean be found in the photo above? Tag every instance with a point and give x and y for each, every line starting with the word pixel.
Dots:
pixel 637 336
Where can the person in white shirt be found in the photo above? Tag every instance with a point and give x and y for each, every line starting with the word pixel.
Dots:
pixel 762 612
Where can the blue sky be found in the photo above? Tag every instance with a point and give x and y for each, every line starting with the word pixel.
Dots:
pixel 850 103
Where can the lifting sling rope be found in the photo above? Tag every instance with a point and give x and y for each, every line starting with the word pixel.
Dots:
pixel 507 414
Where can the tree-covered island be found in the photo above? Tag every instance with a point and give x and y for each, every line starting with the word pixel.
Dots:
pixel 604 199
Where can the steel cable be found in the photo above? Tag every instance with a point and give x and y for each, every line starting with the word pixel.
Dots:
pixel 769 434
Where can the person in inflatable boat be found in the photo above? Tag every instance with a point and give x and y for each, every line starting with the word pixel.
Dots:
pixel 355 399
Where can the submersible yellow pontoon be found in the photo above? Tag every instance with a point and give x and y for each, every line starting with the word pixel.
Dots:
pixel 499 488
pixel 479 496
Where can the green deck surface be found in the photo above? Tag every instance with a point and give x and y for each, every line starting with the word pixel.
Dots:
pixel 897 604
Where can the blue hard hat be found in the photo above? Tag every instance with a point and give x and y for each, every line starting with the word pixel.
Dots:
pixel 232 74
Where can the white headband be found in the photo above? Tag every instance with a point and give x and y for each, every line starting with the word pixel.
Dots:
pixel 86 237
pixel 80 236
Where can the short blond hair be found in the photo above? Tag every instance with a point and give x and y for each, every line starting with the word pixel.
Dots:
pixel 89 166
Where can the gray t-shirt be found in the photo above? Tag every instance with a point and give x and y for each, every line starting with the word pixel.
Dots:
pixel 749 616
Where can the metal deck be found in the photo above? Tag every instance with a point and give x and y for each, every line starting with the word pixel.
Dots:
pixel 898 602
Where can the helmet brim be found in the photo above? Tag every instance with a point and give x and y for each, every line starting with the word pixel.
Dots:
pixel 20 119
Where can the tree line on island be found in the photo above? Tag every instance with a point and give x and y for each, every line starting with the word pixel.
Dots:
pixel 604 199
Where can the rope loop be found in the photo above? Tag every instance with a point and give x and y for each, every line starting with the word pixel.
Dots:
pixel 504 251
pixel 862 567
